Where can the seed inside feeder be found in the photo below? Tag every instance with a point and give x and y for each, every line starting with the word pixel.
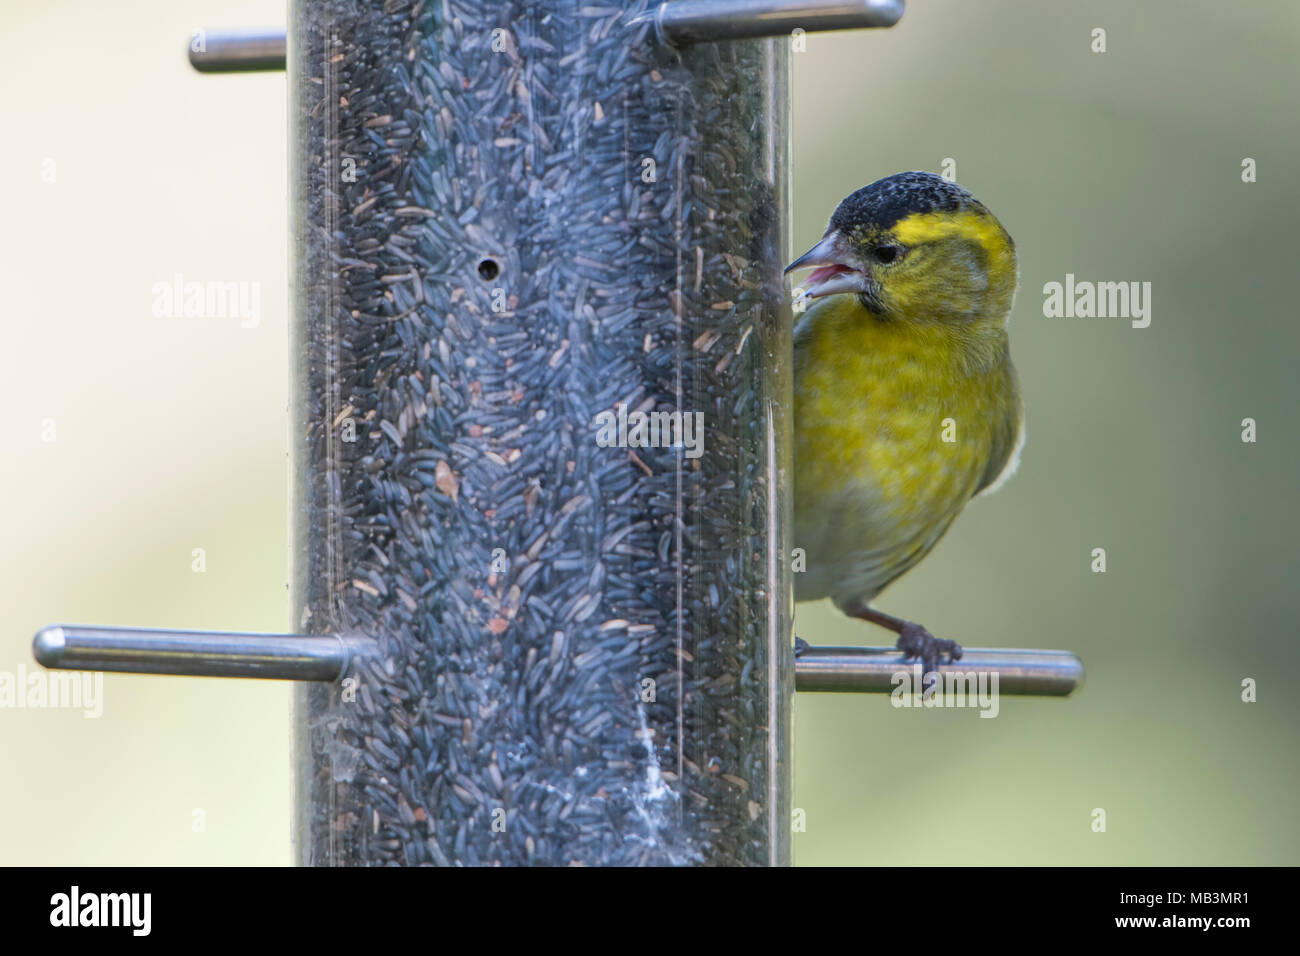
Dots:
pixel 582 646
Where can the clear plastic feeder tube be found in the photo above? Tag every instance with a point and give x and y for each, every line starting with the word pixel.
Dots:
pixel 540 434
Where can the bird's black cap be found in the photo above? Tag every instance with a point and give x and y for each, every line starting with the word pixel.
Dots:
pixel 888 200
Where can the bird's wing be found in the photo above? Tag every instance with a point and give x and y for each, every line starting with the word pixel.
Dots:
pixel 1008 440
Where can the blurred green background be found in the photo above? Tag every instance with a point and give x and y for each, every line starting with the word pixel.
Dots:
pixel 1125 165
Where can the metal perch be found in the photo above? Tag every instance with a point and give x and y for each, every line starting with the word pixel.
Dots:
pixel 867 670
pixel 678 23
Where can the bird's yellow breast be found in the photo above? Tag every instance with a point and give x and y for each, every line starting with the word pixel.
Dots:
pixel 895 425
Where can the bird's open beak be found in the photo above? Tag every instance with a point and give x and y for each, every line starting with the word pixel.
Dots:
pixel 835 268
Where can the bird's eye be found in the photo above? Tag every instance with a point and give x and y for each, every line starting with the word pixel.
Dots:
pixel 886 254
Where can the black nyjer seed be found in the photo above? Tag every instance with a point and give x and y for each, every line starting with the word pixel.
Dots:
pixel 512 218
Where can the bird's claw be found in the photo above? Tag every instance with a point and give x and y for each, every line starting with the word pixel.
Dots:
pixel 916 642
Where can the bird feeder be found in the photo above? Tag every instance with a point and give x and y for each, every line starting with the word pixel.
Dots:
pixel 541 392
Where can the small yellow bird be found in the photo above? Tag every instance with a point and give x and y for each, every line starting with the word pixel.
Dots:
pixel 906 401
